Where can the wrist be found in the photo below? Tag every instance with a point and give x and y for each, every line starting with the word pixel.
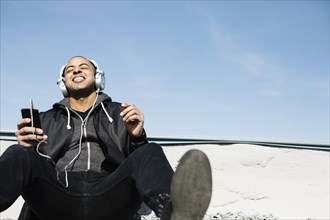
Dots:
pixel 141 136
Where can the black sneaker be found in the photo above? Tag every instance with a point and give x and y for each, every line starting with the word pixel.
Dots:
pixel 191 187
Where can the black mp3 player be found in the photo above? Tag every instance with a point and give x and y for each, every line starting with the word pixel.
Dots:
pixel 33 114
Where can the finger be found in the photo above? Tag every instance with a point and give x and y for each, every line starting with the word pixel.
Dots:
pixel 25 141
pixel 129 113
pixel 126 104
pixel 132 118
pixel 136 119
pixel 30 137
pixel 26 138
pixel 126 107
pixel 23 122
pixel 24 131
pixel 38 131
pixel 134 115
pixel 41 137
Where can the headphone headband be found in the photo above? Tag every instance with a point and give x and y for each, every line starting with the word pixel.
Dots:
pixel 92 61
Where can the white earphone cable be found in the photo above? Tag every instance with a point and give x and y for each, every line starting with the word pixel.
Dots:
pixel 83 125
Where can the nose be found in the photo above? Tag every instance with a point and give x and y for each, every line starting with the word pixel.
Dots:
pixel 76 70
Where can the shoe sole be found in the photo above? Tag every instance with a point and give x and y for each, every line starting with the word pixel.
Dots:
pixel 191 187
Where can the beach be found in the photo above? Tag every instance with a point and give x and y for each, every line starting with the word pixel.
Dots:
pixel 255 180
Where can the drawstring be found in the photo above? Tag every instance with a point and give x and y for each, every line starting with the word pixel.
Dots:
pixel 69 118
pixel 74 159
pixel 105 111
pixel 66 185
pixel 83 124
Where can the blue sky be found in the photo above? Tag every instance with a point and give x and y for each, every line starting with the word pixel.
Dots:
pixel 212 69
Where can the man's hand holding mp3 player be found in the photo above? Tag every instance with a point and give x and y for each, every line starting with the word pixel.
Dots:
pixel 29 132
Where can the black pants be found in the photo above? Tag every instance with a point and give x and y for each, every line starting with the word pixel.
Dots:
pixel 141 177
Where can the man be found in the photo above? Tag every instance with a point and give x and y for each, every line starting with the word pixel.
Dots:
pixel 92 160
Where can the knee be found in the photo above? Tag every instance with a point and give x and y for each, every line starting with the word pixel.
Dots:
pixel 16 148
pixel 152 149
pixel 17 152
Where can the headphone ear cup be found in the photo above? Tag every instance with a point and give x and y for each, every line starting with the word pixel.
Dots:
pixel 99 80
pixel 61 84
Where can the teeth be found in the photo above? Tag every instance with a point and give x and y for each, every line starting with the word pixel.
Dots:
pixel 78 79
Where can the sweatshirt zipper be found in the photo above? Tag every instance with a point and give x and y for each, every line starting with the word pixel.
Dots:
pixel 84 124
pixel 88 149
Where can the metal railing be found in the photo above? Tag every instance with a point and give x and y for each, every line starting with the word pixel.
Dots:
pixel 175 141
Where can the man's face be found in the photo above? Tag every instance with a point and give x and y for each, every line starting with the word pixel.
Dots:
pixel 79 76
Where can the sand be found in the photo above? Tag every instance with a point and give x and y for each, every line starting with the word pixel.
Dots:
pixel 256 180
pixel 288 183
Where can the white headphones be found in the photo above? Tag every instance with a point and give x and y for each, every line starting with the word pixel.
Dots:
pixel 99 79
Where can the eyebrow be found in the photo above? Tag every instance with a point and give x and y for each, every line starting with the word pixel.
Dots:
pixel 82 64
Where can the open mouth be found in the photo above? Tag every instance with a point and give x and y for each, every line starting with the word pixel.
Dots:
pixel 78 79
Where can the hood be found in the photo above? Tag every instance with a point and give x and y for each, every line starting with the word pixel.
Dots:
pixel 102 97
